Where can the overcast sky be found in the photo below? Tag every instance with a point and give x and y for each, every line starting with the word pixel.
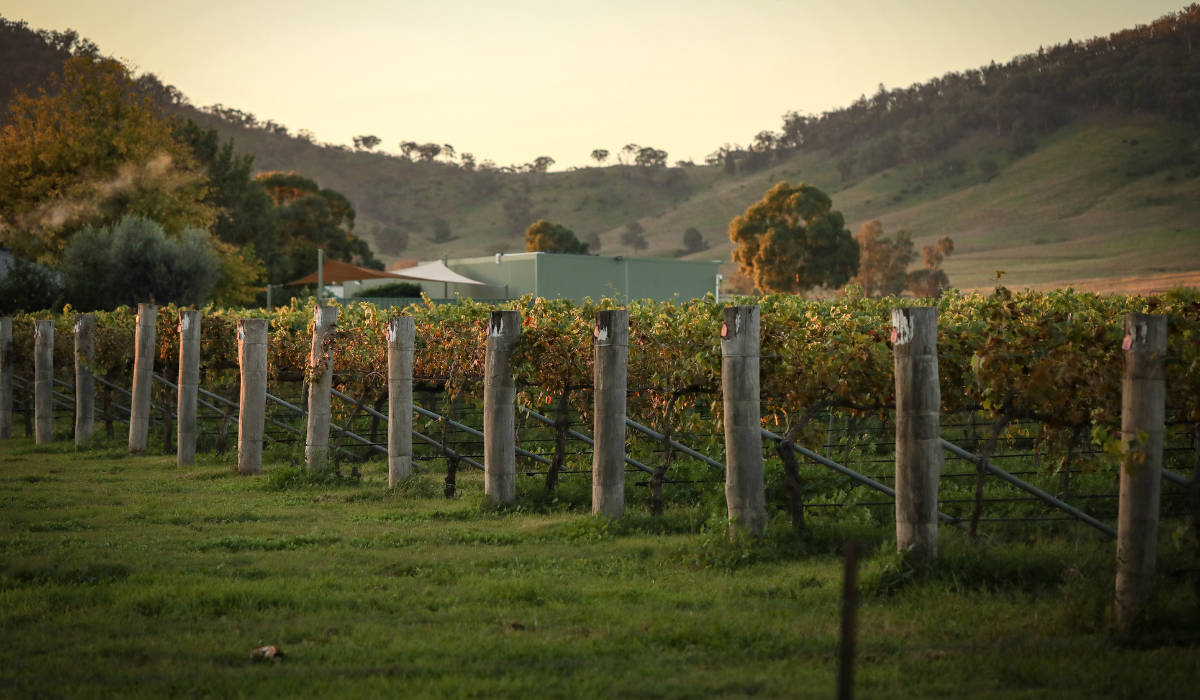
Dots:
pixel 515 80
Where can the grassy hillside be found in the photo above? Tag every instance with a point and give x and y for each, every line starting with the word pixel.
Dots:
pixel 1109 202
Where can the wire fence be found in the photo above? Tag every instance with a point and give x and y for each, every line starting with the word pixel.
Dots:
pixel 451 431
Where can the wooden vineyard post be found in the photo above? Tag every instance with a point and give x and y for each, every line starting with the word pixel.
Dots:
pixel 919 455
pixel 499 399
pixel 745 491
pixel 849 624
pixel 252 361
pixel 316 451
pixel 6 375
pixel 143 378
pixel 401 340
pixel 85 384
pixel 43 385
pixel 610 379
pixel 1143 407
pixel 189 386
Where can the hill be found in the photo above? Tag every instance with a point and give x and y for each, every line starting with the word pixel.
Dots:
pixel 1110 202
pixel 1074 165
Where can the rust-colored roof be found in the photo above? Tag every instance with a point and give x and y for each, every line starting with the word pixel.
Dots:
pixel 336 272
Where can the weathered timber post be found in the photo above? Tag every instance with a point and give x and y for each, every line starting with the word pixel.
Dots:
pixel 401 340
pixel 85 384
pixel 189 387
pixel 317 450
pixel 6 375
pixel 919 455
pixel 43 385
pixel 610 379
pixel 1143 405
pixel 744 487
pixel 143 378
pixel 252 360
pixel 499 399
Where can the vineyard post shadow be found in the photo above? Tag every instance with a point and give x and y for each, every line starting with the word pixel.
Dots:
pixel 252 361
pixel 43 386
pixel 611 337
pixel 6 375
pixel 401 340
pixel 85 384
pixel 919 455
pixel 143 378
pixel 189 384
pixel 499 399
pixel 745 491
pixel 321 364
pixel 1143 406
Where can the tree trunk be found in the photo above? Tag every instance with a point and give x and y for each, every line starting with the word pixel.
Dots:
pixel 378 407
pixel 791 476
pixel 227 416
pixel 166 416
pixel 981 470
pixel 1067 461
pixel 656 479
pixel 450 455
pixel 851 428
pixel 562 421
pixel 349 425
pixel 110 376
pixel 28 408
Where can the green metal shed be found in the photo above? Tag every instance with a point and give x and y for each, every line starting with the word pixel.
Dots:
pixel 559 276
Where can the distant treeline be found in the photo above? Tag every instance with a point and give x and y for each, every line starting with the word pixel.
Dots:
pixel 1153 68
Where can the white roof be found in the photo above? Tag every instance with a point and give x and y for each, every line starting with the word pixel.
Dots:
pixel 433 272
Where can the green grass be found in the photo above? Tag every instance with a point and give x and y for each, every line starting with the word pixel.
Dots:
pixel 130 577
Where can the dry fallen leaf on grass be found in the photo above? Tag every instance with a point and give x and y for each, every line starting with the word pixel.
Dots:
pixel 268 652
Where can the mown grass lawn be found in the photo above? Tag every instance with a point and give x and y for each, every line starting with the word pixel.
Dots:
pixel 128 577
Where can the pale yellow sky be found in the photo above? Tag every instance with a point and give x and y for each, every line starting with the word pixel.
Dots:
pixel 512 81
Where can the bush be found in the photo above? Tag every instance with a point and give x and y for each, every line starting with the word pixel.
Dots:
pixel 28 287
pixel 135 262
pixel 393 290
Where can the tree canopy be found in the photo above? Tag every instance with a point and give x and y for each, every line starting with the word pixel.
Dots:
pixel 883 261
pixel 548 237
pixel 792 240
pixel 312 217
pixel 88 150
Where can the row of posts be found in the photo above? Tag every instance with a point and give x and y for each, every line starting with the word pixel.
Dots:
pixel 919 452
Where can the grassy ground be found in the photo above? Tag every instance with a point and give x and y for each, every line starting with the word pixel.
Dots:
pixel 130 577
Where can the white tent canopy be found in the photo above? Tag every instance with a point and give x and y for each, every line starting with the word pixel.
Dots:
pixel 433 272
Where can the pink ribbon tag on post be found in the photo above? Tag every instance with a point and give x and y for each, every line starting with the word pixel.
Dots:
pixel 895 334
pixel 1127 343
pixel 724 330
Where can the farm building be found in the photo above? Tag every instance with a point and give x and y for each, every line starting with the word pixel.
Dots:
pixel 555 276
